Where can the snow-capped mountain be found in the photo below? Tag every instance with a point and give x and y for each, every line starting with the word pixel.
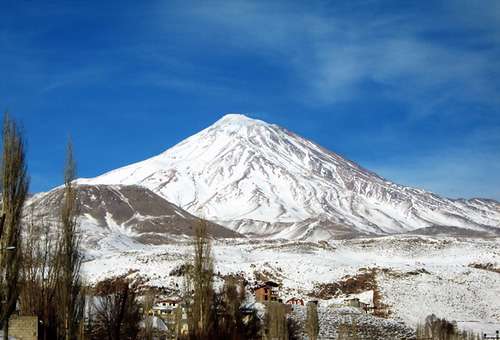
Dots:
pixel 261 179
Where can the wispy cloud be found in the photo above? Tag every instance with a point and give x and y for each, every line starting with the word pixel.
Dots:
pixel 334 52
pixel 377 78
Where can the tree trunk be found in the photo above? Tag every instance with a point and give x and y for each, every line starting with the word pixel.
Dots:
pixel 6 330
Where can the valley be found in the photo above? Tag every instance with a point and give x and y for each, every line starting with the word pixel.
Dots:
pixel 415 275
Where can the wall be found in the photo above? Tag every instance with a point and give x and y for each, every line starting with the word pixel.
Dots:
pixel 23 327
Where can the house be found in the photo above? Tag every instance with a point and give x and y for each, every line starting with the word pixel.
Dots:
pixel 295 301
pixel 355 302
pixel 165 307
pixel 172 312
pixel 267 292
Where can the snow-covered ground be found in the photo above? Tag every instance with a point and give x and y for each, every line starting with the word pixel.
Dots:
pixel 416 275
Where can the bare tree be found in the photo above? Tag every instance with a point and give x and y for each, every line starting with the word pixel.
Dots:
pixel 40 275
pixel 213 315
pixel 441 329
pixel 52 287
pixel 312 321
pixel 229 301
pixel 232 320
pixel 72 301
pixel 117 311
pixel 14 187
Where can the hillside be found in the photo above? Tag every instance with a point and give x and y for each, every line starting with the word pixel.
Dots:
pixel 112 215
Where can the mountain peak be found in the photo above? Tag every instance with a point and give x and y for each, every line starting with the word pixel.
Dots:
pixel 238 120
pixel 243 169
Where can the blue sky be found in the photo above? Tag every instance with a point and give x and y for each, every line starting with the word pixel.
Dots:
pixel 408 89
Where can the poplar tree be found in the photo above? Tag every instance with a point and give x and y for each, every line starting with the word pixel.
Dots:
pixel 201 280
pixel 14 188
pixel 71 298
pixel 312 321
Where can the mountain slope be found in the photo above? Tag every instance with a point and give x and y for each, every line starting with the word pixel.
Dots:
pixel 261 179
pixel 123 214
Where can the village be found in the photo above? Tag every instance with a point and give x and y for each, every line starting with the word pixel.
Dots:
pixel 168 314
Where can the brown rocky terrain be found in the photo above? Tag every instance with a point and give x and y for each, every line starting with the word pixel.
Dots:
pixel 131 210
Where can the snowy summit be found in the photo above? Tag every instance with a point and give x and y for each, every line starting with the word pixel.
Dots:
pixel 259 178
